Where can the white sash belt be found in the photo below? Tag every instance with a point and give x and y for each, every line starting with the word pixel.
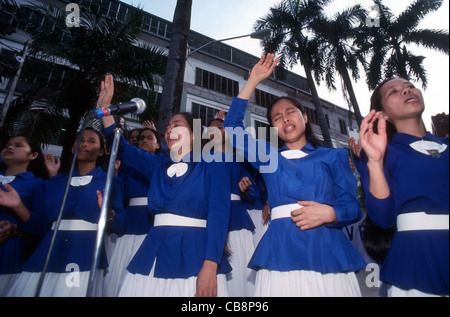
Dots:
pixel 178 221
pixel 235 197
pixel 138 201
pixel 75 225
pixel 284 211
pixel 422 221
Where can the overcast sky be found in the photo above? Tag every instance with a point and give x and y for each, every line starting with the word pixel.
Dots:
pixel 221 19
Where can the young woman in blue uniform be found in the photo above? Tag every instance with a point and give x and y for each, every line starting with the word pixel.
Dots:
pixel 241 280
pixel 139 220
pixel 183 253
pixel 71 259
pixel 312 195
pixel 404 172
pixel 21 193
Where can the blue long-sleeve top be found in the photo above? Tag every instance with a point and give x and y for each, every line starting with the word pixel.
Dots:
pixel 73 246
pixel 203 192
pixel 31 190
pixel 324 176
pixel 418 183
pixel 135 185
pixel 258 193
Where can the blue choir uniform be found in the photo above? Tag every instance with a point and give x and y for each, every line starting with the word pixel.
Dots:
pixel 419 183
pixel 135 186
pixel 12 252
pixel 323 176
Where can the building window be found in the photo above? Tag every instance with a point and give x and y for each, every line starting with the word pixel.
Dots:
pixel 215 82
pixel 343 127
pixel 263 98
pixel 204 113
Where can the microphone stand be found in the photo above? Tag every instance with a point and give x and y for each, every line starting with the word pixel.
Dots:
pixel 104 209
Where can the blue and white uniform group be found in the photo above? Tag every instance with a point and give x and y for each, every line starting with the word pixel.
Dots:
pixel 170 217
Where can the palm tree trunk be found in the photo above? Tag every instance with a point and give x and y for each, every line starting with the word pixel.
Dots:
pixel 317 103
pixel 351 92
pixel 176 62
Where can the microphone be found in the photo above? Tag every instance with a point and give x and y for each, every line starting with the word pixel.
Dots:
pixel 135 105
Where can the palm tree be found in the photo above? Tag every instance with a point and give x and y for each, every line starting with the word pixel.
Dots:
pixel 389 43
pixel 176 64
pixel 337 51
pixel 85 53
pixel 291 24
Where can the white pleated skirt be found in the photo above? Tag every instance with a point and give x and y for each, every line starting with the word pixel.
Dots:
pixel 72 284
pixel 6 282
pixel 394 291
pixel 124 250
pixel 260 227
pixel 138 285
pixel 306 284
pixel 241 280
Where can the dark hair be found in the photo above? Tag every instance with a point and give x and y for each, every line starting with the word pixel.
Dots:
pixel 157 136
pixel 309 133
pixel 188 117
pixel 133 130
pixel 376 240
pixel 375 104
pixel 213 120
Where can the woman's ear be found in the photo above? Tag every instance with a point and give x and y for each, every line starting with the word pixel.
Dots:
pixel 34 155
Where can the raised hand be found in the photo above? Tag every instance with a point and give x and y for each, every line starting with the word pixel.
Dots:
pixel 106 91
pixel 354 146
pixel 262 70
pixel 53 164
pixel 149 124
pixel 220 115
pixel 374 144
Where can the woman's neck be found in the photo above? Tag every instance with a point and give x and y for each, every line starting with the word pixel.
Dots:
pixel 297 145
pixel 85 168
pixel 413 126
pixel 16 169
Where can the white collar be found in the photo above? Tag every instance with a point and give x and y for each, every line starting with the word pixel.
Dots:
pixel 77 181
pixel 6 179
pixel 178 170
pixel 429 147
pixel 293 154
